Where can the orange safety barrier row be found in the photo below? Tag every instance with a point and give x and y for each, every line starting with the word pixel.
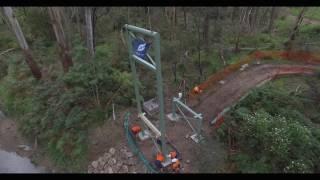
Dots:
pixel 219 122
pixel 302 56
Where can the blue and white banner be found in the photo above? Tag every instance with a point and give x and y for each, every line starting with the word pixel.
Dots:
pixel 140 48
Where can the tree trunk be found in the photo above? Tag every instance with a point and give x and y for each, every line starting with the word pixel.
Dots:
pixel 295 29
pixel 234 13
pixel 251 19
pixel 256 22
pixel 264 18
pixel 78 21
pixel 145 17
pixel 206 27
pixel 67 22
pixel 174 69
pixel 174 20
pixel 185 18
pixel 56 21
pixel 199 49
pixel 149 18
pixel 35 70
pixel 248 17
pixel 239 29
pixel 172 23
pixel 217 25
pixel 272 17
pixel 89 30
pixel 175 16
pixel 128 15
pixel 94 22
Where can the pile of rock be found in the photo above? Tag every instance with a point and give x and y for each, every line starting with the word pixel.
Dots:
pixel 115 161
pixel 244 66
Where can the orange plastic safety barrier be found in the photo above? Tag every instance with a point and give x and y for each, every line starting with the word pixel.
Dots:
pixel 218 123
pixel 299 56
pixel 136 129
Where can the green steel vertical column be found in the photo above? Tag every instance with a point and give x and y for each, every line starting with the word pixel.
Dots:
pixel 160 92
pixel 134 73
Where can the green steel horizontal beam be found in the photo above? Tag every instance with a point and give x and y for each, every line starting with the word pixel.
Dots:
pixel 140 30
pixel 144 62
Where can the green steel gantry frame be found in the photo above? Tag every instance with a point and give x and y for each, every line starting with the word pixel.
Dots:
pixel 154 66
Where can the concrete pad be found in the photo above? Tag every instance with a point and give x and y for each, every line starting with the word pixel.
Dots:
pixel 196 138
pixel 172 118
pixel 144 135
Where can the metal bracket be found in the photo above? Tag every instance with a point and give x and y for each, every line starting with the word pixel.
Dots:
pixel 176 102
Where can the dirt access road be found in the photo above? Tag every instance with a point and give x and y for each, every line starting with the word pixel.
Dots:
pixel 214 100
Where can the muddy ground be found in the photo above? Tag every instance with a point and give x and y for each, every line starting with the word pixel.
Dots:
pixel 12 141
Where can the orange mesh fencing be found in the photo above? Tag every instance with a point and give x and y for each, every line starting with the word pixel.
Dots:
pixel 299 56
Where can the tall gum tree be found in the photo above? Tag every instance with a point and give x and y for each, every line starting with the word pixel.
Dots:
pixel 55 14
pixel 15 27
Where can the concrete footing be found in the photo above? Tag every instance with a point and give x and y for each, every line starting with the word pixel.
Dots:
pixel 173 118
pixel 196 138
pixel 144 135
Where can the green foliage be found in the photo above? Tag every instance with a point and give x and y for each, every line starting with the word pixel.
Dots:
pixel 235 57
pixel 276 139
pixel 309 32
pixel 247 165
pixel 283 26
pixel 273 132
pixel 60 112
pixel 170 51
pixel 35 24
pixel 312 12
pixel 12 89
pixel 7 42
pixel 3 69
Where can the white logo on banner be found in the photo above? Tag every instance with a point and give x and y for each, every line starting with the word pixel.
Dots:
pixel 141 47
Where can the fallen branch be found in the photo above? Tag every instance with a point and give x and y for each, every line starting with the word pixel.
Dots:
pixel 122 38
pixel 6 51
